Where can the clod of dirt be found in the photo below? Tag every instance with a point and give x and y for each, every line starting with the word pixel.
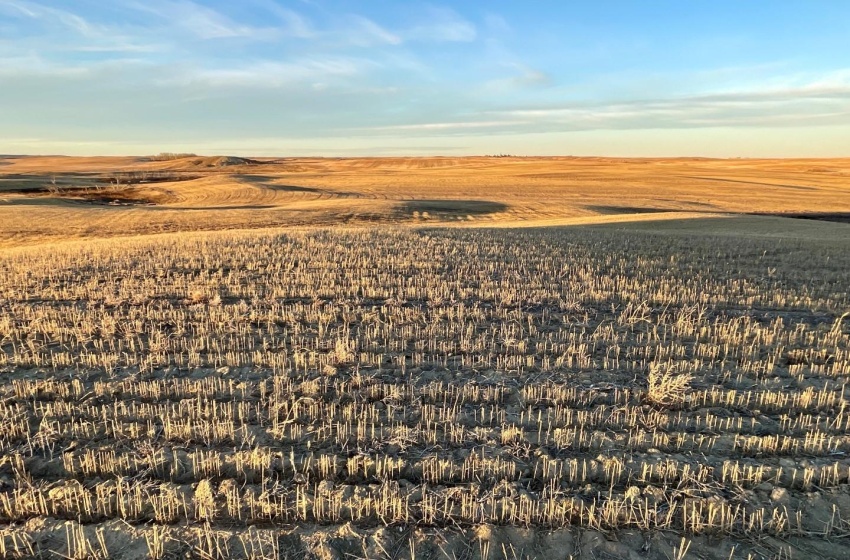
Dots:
pixel 780 496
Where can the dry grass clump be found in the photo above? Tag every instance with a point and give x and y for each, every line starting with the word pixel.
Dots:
pixel 666 388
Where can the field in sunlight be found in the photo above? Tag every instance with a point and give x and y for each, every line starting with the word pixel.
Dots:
pixel 56 197
pixel 477 358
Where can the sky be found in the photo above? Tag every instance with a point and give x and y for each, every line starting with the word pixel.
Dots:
pixel 717 78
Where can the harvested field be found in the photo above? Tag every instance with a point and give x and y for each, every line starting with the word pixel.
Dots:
pixel 630 390
pixel 353 299
pixel 126 196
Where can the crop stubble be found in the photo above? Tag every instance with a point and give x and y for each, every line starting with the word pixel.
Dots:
pixel 433 393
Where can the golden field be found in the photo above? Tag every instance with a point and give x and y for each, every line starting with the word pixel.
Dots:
pixel 477 358
pixel 47 198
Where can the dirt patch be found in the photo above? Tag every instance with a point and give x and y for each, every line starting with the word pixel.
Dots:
pixel 144 177
pixel 116 189
pixel 69 183
pixel 112 196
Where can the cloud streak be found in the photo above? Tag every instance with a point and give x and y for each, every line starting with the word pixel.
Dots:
pixel 444 26
pixel 365 32
pixel 268 74
pixel 48 15
pixel 200 21
pixel 826 102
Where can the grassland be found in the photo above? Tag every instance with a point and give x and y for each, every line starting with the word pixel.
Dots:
pixel 664 379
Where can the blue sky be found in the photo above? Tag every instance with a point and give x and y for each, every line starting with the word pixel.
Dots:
pixel 331 77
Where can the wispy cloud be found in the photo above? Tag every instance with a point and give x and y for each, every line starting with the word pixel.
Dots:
pixel 269 74
pixel 48 15
pixel 69 32
pixel 34 65
pixel 118 45
pixel 822 102
pixel 200 21
pixel 444 25
pixel 294 24
pixel 365 32
pixel 447 126
pixel 522 76
pixel 434 70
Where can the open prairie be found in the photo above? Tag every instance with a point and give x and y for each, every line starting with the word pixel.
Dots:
pixel 43 198
pixel 475 358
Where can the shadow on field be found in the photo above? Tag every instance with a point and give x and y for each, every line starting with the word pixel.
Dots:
pixel 269 182
pixel 29 183
pixel 759 183
pixel 841 217
pixel 624 210
pixel 81 183
pixel 451 208
pixel 214 208
pixel 87 188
